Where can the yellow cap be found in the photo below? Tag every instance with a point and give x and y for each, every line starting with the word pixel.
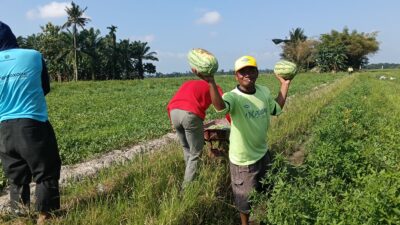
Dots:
pixel 245 61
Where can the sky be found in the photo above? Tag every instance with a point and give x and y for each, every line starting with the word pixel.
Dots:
pixel 227 28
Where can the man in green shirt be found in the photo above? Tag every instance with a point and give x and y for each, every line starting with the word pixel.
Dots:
pixel 250 106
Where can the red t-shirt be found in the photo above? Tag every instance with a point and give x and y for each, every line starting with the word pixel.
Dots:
pixel 193 96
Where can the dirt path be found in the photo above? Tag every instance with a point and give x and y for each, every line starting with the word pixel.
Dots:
pixel 92 167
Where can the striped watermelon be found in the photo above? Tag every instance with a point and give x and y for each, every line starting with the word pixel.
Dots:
pixel 203 61
pixel 287 70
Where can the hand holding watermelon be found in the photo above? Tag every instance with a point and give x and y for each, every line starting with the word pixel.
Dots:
pixel 203 77
pixel 285 69
pixel 203 62
pixel 282 80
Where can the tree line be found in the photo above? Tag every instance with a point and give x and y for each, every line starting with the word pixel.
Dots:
pixel 332 52
pixel 383 66
pixel 71 54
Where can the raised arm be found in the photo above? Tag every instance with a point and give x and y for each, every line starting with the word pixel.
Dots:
pixel 281 98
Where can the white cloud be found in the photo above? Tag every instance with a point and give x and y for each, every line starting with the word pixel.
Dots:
pixel 209 18
pixel 147 38
pixel 51 10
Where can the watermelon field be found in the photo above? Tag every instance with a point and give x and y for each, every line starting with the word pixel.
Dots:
pixel 336 148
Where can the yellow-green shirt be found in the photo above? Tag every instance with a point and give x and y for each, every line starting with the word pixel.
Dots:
pixel 250 114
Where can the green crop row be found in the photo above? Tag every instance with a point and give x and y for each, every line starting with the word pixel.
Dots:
pixel 351 174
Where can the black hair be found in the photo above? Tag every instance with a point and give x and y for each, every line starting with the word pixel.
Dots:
pixel 7 38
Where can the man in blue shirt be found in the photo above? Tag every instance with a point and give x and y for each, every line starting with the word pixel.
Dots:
pixel 28 145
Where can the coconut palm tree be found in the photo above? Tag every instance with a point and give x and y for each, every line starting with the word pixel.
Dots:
pixel 75 19
pixel 297 35
pixel 297 48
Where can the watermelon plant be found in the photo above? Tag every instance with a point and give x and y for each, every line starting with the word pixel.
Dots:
pixel 351 171
pixel 285 69
pixel 203 61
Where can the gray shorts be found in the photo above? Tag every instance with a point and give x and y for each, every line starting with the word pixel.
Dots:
pixel 247 178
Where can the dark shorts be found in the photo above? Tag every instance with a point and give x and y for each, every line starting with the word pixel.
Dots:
pixel 247 178
pixel 28 149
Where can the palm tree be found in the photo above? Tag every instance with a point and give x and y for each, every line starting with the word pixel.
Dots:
pixel 65 56
pixel 125 55
pixel 113 30
pixel 91 47
pixel 297 48
pixel 75 19
pixel 141 52
pixel 297 35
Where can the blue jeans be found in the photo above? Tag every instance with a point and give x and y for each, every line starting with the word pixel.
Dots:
pixel 189 128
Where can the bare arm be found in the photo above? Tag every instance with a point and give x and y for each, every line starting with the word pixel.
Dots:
pixel 281 98
pixel 216 97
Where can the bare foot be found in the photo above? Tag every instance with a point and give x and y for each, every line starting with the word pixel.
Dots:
pixel 42 218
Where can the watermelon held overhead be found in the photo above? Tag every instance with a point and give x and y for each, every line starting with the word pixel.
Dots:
pixel 287 70
pixel 203 61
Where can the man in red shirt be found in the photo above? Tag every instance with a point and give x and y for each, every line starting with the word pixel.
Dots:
pixel 187 110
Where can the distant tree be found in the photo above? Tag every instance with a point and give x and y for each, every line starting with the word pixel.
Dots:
pixel 67 55
pixel 91 45
pixel 302 53
pixel 383 66
pixel 55 47
pixel 125 55
pixel 149 68
pixel 357 45
pixel 331 58
pixel 142 52
pixel 113 38
pixel 75 19
pixel 31 41
pixel 99 57
pixel 297 35
pixel 299 50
